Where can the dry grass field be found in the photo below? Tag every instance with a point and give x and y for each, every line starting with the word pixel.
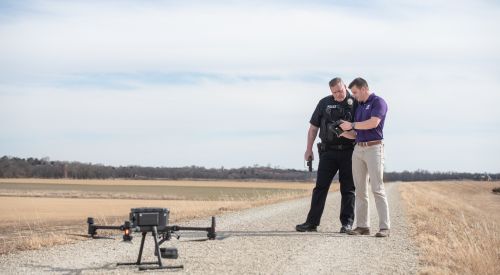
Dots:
pixel 43 212
pixel 195 183
pixel 456 226
pixel 147 189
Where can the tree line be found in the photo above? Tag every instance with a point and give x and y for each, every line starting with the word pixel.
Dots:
pixel 14 167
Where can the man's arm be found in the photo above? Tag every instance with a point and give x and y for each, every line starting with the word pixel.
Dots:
pixel 371 123
pixel 311 136
pixel 349 134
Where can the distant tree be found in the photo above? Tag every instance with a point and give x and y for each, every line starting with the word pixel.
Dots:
pixel 13 167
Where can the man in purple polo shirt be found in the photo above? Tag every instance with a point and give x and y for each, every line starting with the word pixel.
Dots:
pixel 368 157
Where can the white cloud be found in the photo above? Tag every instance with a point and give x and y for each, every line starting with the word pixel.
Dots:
pixel 107 37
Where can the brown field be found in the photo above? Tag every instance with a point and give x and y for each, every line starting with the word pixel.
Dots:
pixel 456 226
pixel 34 210
pixel 195 183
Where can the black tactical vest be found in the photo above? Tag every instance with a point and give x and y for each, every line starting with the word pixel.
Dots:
pixel 330 119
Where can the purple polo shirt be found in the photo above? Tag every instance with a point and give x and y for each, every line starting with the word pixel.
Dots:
pixel 373 106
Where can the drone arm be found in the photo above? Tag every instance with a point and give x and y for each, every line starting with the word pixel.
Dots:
pixel 92 228
pixel 210 230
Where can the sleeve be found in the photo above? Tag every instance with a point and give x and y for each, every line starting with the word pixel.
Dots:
pixel 379 108
pixel 317 115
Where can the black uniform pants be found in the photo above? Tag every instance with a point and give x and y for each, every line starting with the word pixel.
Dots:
pixel 329 163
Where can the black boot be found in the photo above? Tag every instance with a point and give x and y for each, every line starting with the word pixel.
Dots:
pixel 306 227
pixel 345 228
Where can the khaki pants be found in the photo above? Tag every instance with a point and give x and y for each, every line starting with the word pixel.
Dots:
pixel 370 161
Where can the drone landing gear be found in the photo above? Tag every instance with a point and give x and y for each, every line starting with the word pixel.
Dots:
pixel 159 253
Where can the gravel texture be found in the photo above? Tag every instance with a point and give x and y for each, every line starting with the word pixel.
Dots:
pixel 255 241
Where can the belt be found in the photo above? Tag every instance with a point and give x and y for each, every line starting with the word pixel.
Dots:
pixel 325 147
pixel 369 143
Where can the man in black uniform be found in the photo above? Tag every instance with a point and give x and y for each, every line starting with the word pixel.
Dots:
pixel 335 152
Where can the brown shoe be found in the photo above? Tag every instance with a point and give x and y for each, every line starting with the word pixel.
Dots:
pixel 359 231
pixel 383 233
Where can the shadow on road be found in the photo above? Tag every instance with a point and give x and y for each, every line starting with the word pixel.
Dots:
pixel 226 234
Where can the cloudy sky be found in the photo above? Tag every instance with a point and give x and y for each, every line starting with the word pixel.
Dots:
pixel 233 83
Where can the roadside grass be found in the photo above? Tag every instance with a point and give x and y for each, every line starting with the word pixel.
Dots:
pixel 456 226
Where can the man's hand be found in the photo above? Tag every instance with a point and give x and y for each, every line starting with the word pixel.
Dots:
pixel 349 134
pixel 307 154
pixel 345 125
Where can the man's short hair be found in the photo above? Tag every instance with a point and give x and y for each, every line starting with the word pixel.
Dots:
pixel 359 83
pixel 335 81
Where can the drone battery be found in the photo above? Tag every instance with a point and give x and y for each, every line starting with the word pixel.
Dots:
pixel 147 217
pixel 168 253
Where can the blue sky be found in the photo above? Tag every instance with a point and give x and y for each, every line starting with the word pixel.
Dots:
pixel 232 83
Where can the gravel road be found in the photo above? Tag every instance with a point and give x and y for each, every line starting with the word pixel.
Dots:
pixel 255 241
